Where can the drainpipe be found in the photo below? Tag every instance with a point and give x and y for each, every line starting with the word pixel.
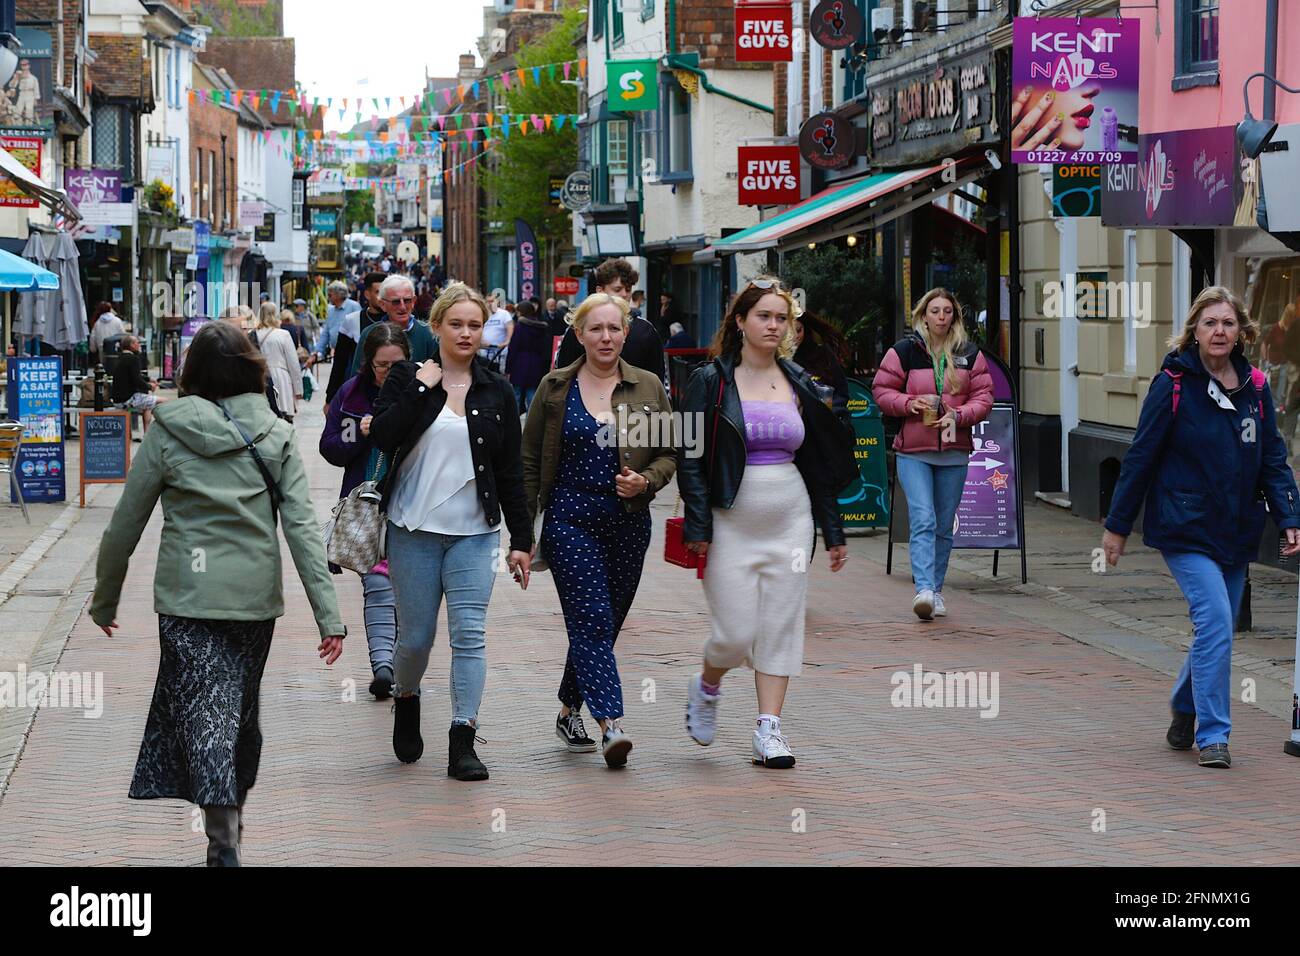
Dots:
pixel 1270 59
pixel 674 62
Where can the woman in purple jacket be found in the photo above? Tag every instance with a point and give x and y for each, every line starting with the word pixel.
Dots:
pixel 528 358
pixel 346 442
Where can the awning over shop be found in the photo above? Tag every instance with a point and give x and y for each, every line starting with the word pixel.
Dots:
pixel 56 200
pixel 861 204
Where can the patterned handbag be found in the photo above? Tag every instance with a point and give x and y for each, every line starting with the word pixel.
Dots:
pixel 354 535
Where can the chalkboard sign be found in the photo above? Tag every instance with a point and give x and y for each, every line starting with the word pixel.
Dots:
pixel 105 448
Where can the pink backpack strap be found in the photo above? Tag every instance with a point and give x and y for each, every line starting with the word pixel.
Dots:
pixel 1258 378
pixel 1178 386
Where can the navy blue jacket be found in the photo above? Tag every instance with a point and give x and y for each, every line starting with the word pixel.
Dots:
pixel 1206 471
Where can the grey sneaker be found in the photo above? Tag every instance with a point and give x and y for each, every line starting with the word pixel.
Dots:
pixel 614 745
pixel 701 712
pixel 1216 755
pixel 939 609
pixel 923 604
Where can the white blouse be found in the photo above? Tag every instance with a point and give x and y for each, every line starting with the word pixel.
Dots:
pixel 436 490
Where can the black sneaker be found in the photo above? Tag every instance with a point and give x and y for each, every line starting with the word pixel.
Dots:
pixel 1182 732
pixel 571 730
pixel 1216 755
pixel 382 686
pixel 407 742
pixel 462 761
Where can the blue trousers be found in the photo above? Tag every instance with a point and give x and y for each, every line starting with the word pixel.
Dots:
pixel 596 552
pixel 424 566
pixel 933 494
pixel 1204 685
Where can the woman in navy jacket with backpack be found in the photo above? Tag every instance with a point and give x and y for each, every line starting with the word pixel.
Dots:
pixel 1206 458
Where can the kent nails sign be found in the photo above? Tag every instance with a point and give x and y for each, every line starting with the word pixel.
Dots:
pixel 764 33
pixel 769 175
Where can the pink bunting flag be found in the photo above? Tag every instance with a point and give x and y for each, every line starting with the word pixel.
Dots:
pixel 537 122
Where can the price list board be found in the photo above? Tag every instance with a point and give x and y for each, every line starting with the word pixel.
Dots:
pixel 988 515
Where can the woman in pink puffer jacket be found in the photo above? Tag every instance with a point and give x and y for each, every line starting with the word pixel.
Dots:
pixel 937 381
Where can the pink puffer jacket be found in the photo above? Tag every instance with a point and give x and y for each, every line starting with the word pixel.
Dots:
pixel 908 371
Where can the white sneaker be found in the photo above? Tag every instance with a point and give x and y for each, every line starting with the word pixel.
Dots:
pixel 772 749
pixel 701 712
pixel 923 604
pixel 614 745
pixel 939 609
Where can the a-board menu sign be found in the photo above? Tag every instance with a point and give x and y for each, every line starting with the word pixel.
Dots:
pixel 105 449
pixel 865 503
pixel 36 399
pixel 988 512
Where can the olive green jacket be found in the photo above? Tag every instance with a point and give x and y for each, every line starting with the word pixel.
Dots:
pixel 646 442
pixel 220 556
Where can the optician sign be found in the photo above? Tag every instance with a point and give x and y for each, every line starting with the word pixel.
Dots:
pixel 1189 177
pixel 764 33
pixel 1074 90
pixel 768 175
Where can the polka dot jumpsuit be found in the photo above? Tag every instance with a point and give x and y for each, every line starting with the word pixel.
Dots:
pixel 596 550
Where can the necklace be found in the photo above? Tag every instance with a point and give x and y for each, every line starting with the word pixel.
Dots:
pixel 771 383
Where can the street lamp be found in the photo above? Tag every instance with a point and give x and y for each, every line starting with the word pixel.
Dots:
pixel 1254 134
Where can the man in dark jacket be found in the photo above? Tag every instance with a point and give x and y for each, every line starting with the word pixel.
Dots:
pixel 345 346
pixel 131 386
pixel 643 347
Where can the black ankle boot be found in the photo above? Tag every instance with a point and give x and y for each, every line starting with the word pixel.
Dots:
pixel 407 742
pixel 462 761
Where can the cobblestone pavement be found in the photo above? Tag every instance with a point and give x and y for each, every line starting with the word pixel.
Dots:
pixel 1078 739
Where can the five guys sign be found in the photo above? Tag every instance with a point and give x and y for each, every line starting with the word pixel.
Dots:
pixel 764 32
pixel 769 175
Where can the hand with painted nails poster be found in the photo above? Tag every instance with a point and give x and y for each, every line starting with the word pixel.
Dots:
pixel 1074 90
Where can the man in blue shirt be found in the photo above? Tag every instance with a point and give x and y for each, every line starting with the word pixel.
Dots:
pixel 339 308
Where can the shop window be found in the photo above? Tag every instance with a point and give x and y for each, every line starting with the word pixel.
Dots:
pixel 1196 38
pixel 647 10
pixel 616 152
pixel 299 201
pixel 111 139
pixel 598 17
pixel 616 21
pixel 1273 300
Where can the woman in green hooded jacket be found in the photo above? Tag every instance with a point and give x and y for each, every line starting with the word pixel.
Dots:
pixel 225 468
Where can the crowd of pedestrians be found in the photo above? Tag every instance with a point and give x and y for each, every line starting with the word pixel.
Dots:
pixel 461 443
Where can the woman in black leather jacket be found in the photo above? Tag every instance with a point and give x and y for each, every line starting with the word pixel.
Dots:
pixel 772 462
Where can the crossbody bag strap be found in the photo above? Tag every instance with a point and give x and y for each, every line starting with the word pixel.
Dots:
pixel 272 488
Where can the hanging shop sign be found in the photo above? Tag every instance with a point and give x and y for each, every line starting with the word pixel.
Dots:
pixel 1074 90
pixel 632 85
pixel 1076 190
pixel 36 399
pixel 575 195
pixel 566 285
pixel 202 242
pixel 27 150
pixel 828 141
pixel 836 24
pixel 555 191
pixel 87 187
pixel 1187 178
pixel 266 231
pixel 324 221
pixel 764 33
pixel 768 175
pixel 865 503
pixel 27 100
pixel 251 212
pixel 933 114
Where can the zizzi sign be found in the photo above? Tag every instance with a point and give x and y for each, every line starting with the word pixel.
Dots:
pixel 764 33
pixel 932 114
pixel 769 175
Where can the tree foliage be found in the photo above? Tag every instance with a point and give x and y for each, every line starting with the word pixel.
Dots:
pixel 518 180
pixel 845 287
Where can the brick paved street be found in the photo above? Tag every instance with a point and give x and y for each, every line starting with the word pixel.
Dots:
pixel 1079 730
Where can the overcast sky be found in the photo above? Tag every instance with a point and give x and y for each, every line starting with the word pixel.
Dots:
pixel 343 52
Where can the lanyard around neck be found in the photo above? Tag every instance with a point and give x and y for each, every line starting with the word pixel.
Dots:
pixel 939 368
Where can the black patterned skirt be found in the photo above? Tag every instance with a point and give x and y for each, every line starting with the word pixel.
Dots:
pixel 202 742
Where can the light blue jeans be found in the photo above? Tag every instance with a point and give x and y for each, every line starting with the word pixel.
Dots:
pixel 423 567
pixel 1204 685
pixel 933 493
pixel 380 618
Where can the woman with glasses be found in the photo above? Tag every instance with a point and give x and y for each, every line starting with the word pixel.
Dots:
pixel 345 442
pixel 451 427
pixel 767 472
pixel 596 495
pixel 938 382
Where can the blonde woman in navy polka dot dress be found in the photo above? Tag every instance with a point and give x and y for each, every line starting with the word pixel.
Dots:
pixel 598 445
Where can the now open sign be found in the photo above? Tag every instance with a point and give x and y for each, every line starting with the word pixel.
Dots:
pixel 768 175
pixel 764 33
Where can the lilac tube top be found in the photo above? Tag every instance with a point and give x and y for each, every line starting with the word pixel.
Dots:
pixel 773 432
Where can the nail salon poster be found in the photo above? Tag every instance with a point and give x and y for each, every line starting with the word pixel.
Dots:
pixel 987 514
pixel 1074 90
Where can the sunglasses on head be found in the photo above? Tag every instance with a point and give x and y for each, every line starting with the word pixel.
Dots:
pixel 765 284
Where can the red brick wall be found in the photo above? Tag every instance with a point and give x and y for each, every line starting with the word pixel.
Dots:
pixel 708 27
pixel 207 124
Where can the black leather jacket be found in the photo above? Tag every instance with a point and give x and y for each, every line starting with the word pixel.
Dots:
pixel 406 407
pixel 712 479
